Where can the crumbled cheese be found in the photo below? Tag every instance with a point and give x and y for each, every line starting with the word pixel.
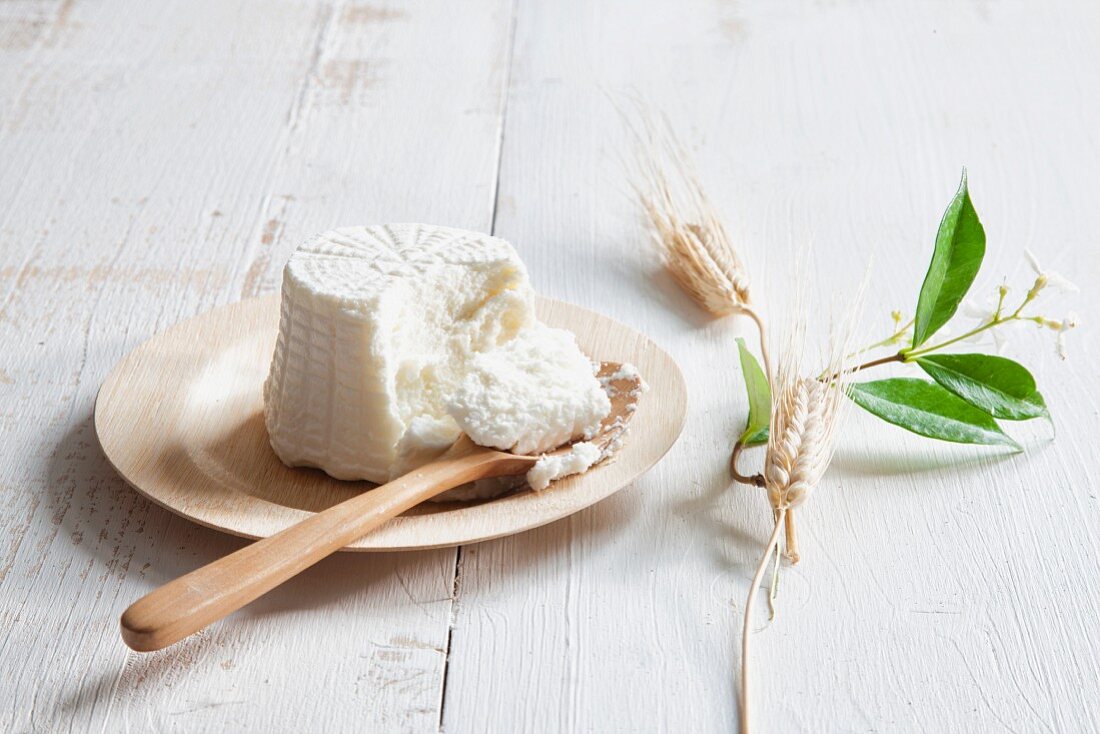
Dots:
pixel 580 457
pixel 533 393
pixel 626 371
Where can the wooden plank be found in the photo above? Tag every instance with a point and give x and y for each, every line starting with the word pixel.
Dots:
pixel 158 161
pixel 942 588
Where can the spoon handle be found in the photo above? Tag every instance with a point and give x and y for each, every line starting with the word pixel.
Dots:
pixel 205 595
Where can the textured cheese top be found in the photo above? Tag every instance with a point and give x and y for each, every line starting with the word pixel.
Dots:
pixel 355 266
pixel 394 339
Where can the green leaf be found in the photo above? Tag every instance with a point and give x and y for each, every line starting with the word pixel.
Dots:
pixel 929 410
pixel 760 398
pixel 960 247
pixel 999 386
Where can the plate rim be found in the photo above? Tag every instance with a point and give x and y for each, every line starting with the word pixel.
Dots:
pixel 678 397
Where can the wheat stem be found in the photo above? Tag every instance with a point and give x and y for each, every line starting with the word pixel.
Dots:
pixel 791 545
pixel 757 480
pixel 746 628
pixel 763 344
pixel 773 592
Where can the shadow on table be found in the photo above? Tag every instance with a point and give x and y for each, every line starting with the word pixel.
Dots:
pixel 733 518
pixel 97 502
pixel 851 462
pixel 648 281
pixel 660 282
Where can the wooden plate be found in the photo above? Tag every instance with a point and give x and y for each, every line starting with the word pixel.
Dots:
pixel 181 419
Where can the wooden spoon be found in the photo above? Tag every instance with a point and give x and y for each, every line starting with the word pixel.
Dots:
pixel 188 604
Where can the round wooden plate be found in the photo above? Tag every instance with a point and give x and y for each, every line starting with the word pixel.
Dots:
pixel 181 419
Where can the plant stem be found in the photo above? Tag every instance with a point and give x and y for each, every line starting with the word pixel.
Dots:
pixel 756 480
pixel 899 357
pixel 773 592
pixel 747 626
pixel 763 345
pixel 875 362
pixel 910 354
pixel 791 547
pixel 892 339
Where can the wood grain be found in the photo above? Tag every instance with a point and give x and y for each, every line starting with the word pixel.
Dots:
pixel 941 588
pixel 147 151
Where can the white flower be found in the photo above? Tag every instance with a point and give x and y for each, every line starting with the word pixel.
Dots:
pixel 983 311
pixel 1061 327
pixel 1048 277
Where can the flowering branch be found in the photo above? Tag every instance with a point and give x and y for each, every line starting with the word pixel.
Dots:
pixel 795 416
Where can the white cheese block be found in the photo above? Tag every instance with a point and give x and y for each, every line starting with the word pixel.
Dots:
pixel 394 339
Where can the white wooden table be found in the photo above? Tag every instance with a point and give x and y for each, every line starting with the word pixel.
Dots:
pixel 158 160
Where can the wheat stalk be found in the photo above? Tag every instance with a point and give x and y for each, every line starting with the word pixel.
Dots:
pixel 694 244
pixel 698 252
pixel 800 446
pixel 804 419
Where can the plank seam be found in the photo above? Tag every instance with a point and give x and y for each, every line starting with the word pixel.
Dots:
pixel 450 636
pixel 505 87
pixel 506 84
pixel 327 20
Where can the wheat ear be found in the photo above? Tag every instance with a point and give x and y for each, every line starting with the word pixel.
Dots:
pixel 801 445
pixel 694 244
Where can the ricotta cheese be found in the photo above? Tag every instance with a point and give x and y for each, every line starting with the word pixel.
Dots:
pixel 531 394
pixel 395 339
pixel 580 458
